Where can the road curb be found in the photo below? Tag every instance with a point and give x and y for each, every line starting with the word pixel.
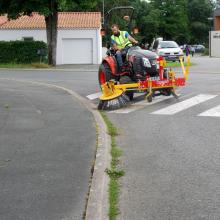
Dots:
pixel 97 204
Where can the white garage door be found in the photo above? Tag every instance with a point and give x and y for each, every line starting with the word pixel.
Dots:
pixel 77 51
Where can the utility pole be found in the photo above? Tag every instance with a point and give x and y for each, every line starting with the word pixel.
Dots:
pixel 210 19
pixel 103 12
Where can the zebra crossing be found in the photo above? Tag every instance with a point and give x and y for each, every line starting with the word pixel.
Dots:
pixel 181 106
pixel 185 102
pixel 213 112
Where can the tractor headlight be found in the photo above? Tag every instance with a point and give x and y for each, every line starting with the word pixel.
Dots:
pixel 146 62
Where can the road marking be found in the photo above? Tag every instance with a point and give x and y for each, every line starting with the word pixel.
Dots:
pixel 213 112
pixel 126 110
pixel 178 107
pixel 139 105
pixel 155 100
pixel 94 95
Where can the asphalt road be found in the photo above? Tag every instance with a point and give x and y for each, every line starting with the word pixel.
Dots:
pixel 47 148
pixel 171 161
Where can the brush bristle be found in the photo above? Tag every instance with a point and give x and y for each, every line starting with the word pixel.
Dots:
pixel 113 104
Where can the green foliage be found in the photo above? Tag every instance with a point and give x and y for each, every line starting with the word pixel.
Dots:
pixel 20 51
pixel 82 5
pixel 198 13
pixel 206 52
pixel 184 21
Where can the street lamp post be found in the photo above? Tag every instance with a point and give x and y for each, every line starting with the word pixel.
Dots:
pixel 210 19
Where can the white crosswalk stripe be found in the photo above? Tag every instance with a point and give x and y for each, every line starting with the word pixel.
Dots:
pixel 188 103
pixel 140 105
pixel 213 112
pixel 94 95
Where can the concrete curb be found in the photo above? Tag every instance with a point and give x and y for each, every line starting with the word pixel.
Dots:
pixel 97 204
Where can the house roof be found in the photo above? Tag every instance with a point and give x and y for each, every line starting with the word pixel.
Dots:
pixel 3 19
pixel 68 20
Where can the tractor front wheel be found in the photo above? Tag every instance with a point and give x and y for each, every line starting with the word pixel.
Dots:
pixel 105 74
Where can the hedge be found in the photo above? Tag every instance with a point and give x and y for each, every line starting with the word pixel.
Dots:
pixel 22 51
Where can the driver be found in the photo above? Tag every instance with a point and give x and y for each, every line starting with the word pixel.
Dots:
pixel 121 41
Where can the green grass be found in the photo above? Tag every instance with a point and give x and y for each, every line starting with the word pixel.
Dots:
pixel 112 130
pixel 176 64
pixel 114 173
pixel 113 199
pixel 23 66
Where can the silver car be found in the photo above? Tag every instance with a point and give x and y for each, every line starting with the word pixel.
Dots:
pixel 170 50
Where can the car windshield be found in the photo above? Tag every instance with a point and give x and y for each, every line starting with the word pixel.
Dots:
pixel 168 44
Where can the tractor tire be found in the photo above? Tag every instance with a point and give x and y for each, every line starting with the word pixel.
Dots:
pixel 150 98
pixel 127 80
pixel 166 92
pixel 105 74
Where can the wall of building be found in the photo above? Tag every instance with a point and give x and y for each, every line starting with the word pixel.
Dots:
pixel 40 34
pixel 215 43
pixel 217 19
pixel 217 23
pixel 9 34
pixel 93 34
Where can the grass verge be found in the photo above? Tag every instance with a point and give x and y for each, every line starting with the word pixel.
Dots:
pixel 22 66
pixel 114 172
pixel 176 64
pixel 206 52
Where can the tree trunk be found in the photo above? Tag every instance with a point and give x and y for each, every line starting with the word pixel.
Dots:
pixel 51 26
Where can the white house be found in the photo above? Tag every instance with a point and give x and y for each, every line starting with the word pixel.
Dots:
pixel 78 42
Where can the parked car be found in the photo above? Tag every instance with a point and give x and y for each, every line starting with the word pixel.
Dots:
pixel 199 48
pixel 170 50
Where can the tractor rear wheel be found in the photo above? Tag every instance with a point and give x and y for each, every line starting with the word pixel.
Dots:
pixel 105 74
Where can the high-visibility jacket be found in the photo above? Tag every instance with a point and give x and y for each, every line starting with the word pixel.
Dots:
pixel 121 41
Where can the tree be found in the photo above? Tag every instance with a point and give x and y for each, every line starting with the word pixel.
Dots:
pixel 146 19
pixel 198 13
pixel 173 20
pixel 48 8
pixel 215 3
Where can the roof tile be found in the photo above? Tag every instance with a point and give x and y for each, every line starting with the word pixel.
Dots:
pixel 66 20
pixel 3 19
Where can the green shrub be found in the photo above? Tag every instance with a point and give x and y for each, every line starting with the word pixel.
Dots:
pixel 22 51
pixel 206 52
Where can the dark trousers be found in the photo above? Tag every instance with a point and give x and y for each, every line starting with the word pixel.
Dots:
pixel 119 54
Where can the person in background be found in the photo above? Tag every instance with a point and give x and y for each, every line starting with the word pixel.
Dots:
pixel 187 51
pixel 192 50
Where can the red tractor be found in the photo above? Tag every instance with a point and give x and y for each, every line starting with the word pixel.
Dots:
pixel 142 71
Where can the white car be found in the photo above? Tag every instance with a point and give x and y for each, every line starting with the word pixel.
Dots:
pixel 170 50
